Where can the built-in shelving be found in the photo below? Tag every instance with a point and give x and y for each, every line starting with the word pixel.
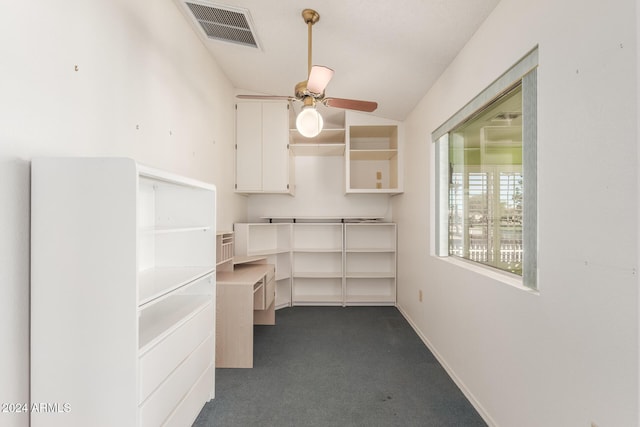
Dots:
pixel 273 242
pixel 370 263
pixel 373 155
pixel 332 261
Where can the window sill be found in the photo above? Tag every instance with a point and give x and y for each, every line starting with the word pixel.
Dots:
pixel 492 273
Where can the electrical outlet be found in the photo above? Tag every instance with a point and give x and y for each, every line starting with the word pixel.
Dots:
pixel 420 299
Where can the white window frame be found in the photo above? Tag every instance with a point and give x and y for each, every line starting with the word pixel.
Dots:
pixel 526 72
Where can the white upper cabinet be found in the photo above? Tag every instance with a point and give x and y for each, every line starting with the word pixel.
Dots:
pixel 263 162
pixel 373 154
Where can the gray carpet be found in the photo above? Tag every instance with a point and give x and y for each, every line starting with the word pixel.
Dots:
pixel 336 366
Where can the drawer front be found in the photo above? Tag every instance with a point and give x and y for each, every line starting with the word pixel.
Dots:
pixel 157 363
pixel 166 398
pixel 189 408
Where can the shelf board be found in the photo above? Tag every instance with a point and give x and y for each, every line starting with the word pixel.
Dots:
pixel 161 319
pixel 155 283
pixel 391 191
pixel 322 149
pixel 269 251
pixel 369 250
pixel 331 135
pixel 315 250
pixel 370 299
pixel 385 154
pixel 173 229
pixel 370 275
pixel 318 274
pixel 302 299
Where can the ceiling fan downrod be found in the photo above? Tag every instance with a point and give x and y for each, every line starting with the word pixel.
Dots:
pixel 310 17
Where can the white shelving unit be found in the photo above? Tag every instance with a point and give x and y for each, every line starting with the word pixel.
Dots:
pixel 272 241
pixel 373 154
pixel 370 263
pixel 122 293
pixel 326 262
pixel 317 264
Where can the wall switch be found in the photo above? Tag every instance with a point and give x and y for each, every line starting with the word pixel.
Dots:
pixel 378 175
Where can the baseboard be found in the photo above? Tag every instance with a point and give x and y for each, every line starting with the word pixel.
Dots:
pixel 468 394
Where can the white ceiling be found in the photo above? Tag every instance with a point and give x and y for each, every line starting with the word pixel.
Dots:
pixel 386 51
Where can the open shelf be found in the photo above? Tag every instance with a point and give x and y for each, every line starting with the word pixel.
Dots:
pixel 161 319
pixel 157 282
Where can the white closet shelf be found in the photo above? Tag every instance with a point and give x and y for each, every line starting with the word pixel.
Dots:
pixel 161 319
pixel 157 282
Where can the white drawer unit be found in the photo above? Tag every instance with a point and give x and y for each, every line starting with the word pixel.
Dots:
pixel 123 304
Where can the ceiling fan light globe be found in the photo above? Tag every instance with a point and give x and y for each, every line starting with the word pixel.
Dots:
pixel 309 122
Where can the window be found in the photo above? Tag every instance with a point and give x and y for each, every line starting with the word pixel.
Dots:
pixel 486 174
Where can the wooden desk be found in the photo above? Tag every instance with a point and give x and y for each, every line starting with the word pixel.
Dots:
pixel 244 296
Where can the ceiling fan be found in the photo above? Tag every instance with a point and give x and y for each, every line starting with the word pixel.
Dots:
pixel 311 91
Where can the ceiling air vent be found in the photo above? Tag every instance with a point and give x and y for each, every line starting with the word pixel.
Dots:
pixel 224 23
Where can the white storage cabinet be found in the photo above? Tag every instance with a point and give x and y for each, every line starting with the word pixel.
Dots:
pixel 122 294
pixel 263 159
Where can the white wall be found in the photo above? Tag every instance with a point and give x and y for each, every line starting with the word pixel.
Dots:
pixel 568 356
pixel 319 192
pixel 145 88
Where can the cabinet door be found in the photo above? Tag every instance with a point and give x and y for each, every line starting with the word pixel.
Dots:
pixel 275 147
pixel 249 146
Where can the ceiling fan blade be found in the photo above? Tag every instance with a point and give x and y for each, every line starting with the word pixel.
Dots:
pixel 350 104
pixel 275 97
pixel 319 78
